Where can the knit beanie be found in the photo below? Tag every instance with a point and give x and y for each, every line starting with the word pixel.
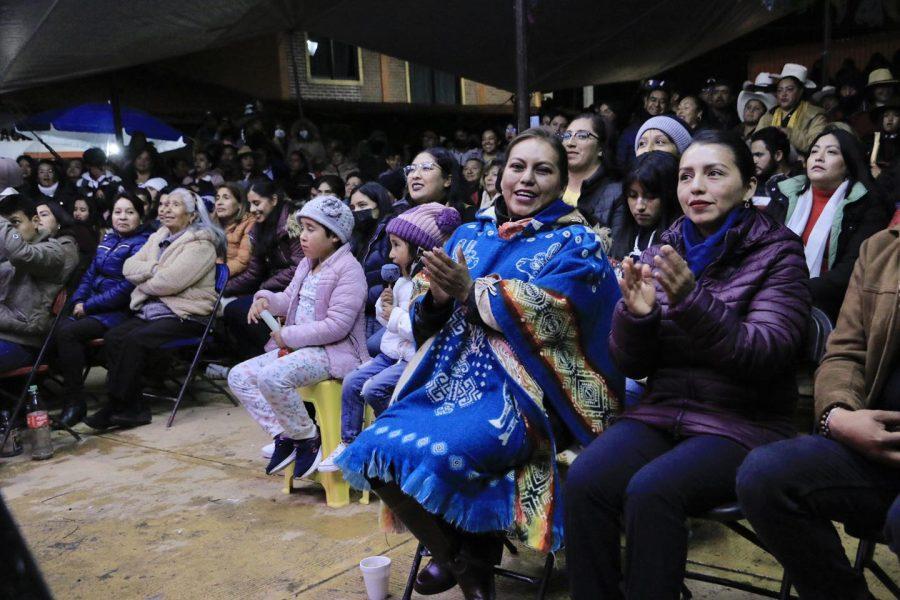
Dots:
pixel 671 126
pixel 426 226
pixel 332 213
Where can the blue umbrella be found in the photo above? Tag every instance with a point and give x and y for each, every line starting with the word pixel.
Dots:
pixel 98 118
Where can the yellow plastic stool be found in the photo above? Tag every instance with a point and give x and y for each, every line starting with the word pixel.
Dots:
pixel 326 397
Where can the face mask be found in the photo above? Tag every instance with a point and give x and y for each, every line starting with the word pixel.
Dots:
pixel 279 133
pixel 365 219
pixel 303 134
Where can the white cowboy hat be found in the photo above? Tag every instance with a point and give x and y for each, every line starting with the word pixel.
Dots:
pixel 763 82
pixel 744 97
pixel 798 72
pixel 828 90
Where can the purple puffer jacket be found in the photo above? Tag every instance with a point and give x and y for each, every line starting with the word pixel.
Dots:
pixel 340 312
pixel 721 361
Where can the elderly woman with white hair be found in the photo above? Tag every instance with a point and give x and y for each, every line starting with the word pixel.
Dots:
pixel 174 275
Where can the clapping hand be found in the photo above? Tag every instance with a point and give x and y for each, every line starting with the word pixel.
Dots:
pixel 673 274
pixel 637 288
pixel 449 279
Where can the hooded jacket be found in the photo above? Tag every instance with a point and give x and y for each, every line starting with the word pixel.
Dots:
pixel 340 317
pixel 34 273
pixel 104 291
pixel 720 361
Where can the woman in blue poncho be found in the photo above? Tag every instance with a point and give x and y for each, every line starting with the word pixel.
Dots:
pixel 512 334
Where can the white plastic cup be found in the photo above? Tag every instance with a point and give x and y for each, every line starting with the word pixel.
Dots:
pixel 376 571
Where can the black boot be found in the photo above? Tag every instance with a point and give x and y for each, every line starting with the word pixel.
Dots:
pixel 73 412
pixel 133 416
pixel 475 579
pixel 435 578
pixel 100 419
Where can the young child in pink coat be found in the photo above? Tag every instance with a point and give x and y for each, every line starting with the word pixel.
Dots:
pixel 323 336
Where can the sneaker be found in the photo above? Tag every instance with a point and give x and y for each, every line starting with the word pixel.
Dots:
pixel 267 450
pixel 309 455
pixel 214 371
pixel 283 454
pixel 327 465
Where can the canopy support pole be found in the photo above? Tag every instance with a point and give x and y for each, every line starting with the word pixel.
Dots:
pixel 826 41
pixel 522 98
pixel 117 115
pixel 291 37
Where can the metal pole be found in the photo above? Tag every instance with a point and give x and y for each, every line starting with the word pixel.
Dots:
pixel 117 115
pixel 292 36
pixel 522 99
pixel 826 41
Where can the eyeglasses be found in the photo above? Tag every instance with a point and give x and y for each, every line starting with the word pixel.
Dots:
pixel 426 167
pixel 581 136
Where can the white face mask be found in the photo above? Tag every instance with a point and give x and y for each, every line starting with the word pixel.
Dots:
pixel 303 134
pixel 279 133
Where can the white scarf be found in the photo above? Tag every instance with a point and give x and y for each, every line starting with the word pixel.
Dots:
pixel 48 191
pixel 818 237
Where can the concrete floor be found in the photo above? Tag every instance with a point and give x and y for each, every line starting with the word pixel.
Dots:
pixel 187 512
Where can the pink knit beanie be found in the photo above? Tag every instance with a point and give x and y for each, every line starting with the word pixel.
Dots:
pixel 426 226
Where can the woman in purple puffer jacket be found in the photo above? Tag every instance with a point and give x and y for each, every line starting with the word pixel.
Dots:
pixel 714 318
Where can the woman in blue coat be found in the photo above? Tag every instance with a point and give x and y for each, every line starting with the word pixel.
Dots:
pixel 100 302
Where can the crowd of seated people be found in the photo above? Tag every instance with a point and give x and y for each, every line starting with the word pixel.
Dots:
pixel 637 290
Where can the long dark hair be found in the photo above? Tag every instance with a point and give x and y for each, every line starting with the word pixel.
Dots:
pixel 455 195
pixel 265 234
pixel 857 166
pixel 600 129
pixel 95 216
pixel 853 154
pixel 657 173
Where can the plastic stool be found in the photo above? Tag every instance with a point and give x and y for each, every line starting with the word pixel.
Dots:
pixel 326 397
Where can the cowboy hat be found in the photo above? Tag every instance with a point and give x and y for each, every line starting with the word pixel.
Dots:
pixel 828 90
pixel 881 77
pixel 878 111
pixel 744 97
pixel 764 82
pixel 798 72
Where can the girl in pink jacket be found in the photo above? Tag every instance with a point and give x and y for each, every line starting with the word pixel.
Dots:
pixel 323 336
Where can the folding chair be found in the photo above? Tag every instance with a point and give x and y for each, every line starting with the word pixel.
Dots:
pixel 542 581
pixel 199 343
pixel 865 557
pixel 38 367
pixel 819 328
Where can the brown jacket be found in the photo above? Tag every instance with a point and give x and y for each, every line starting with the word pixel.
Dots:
pixel 183 277
pixel 237 235
pixel 866 339
pixel 811 122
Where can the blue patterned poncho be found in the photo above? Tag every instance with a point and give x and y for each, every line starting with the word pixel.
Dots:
pixel 467 434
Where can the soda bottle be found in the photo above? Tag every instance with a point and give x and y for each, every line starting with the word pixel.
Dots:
pixel 39 425
pixel 13 446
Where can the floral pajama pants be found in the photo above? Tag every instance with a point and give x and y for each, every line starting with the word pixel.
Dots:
pixel 267 387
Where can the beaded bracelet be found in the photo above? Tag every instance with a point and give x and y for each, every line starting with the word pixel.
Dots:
pixel 824 427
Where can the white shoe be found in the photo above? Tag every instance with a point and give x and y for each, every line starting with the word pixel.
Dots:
pixel 327 465
pixel 268 450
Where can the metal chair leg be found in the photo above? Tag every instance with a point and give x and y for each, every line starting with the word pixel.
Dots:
pixel 545 576
pixel 784 592
pixel 188 378
pixel 413 572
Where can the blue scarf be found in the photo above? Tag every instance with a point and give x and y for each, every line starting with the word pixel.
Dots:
pixel 699 252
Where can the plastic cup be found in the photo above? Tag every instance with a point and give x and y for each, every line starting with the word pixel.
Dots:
pixel 376 571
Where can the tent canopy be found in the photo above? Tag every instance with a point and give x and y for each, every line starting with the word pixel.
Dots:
pixel 570 42
pixel 98 118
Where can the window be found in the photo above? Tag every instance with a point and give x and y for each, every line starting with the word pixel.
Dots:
pixel 428 86
pixel 330 59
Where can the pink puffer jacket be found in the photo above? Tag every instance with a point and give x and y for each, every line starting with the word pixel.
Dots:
pixel 340 318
